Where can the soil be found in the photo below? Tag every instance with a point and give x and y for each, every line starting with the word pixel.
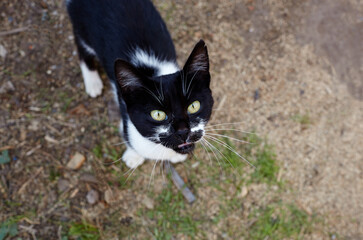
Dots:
pixel 271 63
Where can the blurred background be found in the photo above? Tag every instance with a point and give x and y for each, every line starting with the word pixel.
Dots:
pixel 286 77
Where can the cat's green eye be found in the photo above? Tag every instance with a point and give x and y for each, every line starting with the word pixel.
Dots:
pixel 158 115
pixel 194 107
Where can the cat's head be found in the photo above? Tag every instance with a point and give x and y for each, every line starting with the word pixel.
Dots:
pixel 173 109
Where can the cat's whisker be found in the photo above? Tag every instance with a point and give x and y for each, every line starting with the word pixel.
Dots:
pixel 133 170
pixel 222 124
pixel 209 146
pixel 190 92
pixel 120 143
pixel 232 138
pixel 202 143
pixel 162 170
pixel 110 163
pixel 190 83
pixel 230 148
pixel 161 88
pixel 183 81
pixel 152 94
pixel 152 174
pixel 162 166
pixel 156 161
pixel 224 156
pixel 229 129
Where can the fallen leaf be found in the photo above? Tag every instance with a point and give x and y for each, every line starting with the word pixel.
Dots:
pixel 79 110
pixel 4 157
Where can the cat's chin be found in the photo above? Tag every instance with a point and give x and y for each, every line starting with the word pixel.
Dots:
pixel 185 148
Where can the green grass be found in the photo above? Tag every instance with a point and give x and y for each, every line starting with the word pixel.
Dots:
pixel 303 119
pixel 170 216
pixel 266 167
pixel 107 151
pixel 82 231
pixel 257 151
pixel 9 228
pixel 279 221
pixel 65 100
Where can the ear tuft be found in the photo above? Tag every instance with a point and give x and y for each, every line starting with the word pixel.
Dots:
pixel 126 75
pixel 198 59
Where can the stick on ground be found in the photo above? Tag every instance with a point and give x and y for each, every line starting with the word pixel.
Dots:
pixel 178 181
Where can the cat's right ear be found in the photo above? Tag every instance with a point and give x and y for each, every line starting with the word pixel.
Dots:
pixel 198 60
pixel 127 76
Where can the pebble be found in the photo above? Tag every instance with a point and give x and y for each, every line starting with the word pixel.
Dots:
pixel 76 161
pixel 63 184
pixel 92 197
pixel 243 193
pixel 148 202
pixel 3 51
pixel 87 177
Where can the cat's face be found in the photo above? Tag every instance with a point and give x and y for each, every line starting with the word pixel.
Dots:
pixel 171 109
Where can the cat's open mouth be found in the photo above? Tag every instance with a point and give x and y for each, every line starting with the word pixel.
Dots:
pixel 185 148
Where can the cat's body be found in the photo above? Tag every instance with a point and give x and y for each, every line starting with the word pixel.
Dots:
pixel 163 109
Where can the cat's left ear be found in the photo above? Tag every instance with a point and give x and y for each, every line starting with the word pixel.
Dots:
pixel 127 76
pixel 198 60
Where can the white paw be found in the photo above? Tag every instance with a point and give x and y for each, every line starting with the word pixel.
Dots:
pixel 132 159
pixel 179 158
pixel 94 87
pixel 92 81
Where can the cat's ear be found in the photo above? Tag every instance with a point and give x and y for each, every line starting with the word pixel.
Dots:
pixel 198 60
pixel 127 76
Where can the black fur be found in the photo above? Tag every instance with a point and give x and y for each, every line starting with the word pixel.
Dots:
pixel 114 29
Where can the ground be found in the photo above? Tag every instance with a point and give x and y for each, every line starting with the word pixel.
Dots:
pixel 289 72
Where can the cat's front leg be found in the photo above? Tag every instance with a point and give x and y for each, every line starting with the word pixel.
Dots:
pixel 132 159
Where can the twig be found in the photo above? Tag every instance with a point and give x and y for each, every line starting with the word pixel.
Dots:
pixel 179 183
pixel 6 148
pixel 22 189
pixel 13 31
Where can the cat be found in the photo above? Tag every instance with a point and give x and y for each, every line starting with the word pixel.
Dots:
pixel 164 109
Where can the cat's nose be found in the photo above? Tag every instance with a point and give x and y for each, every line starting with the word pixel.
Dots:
pixel 183 133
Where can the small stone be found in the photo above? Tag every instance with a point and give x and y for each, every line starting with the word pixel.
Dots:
pixel 34 125
pixel 243 193
pixel 149 203
pixel 87 177
pixel 109 198
pixel 63 184
pixel 7 87
pixel 92 197
pixel 3 51
pixel 76 161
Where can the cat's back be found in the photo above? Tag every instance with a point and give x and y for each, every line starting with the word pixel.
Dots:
pixel 115 28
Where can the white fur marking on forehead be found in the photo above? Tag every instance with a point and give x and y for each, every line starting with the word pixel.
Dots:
pixel 199 63
pixel 140 57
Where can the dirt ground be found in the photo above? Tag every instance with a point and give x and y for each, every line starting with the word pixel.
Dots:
pixel 291 70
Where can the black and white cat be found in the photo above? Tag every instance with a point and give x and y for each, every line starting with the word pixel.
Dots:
pixel 164 109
